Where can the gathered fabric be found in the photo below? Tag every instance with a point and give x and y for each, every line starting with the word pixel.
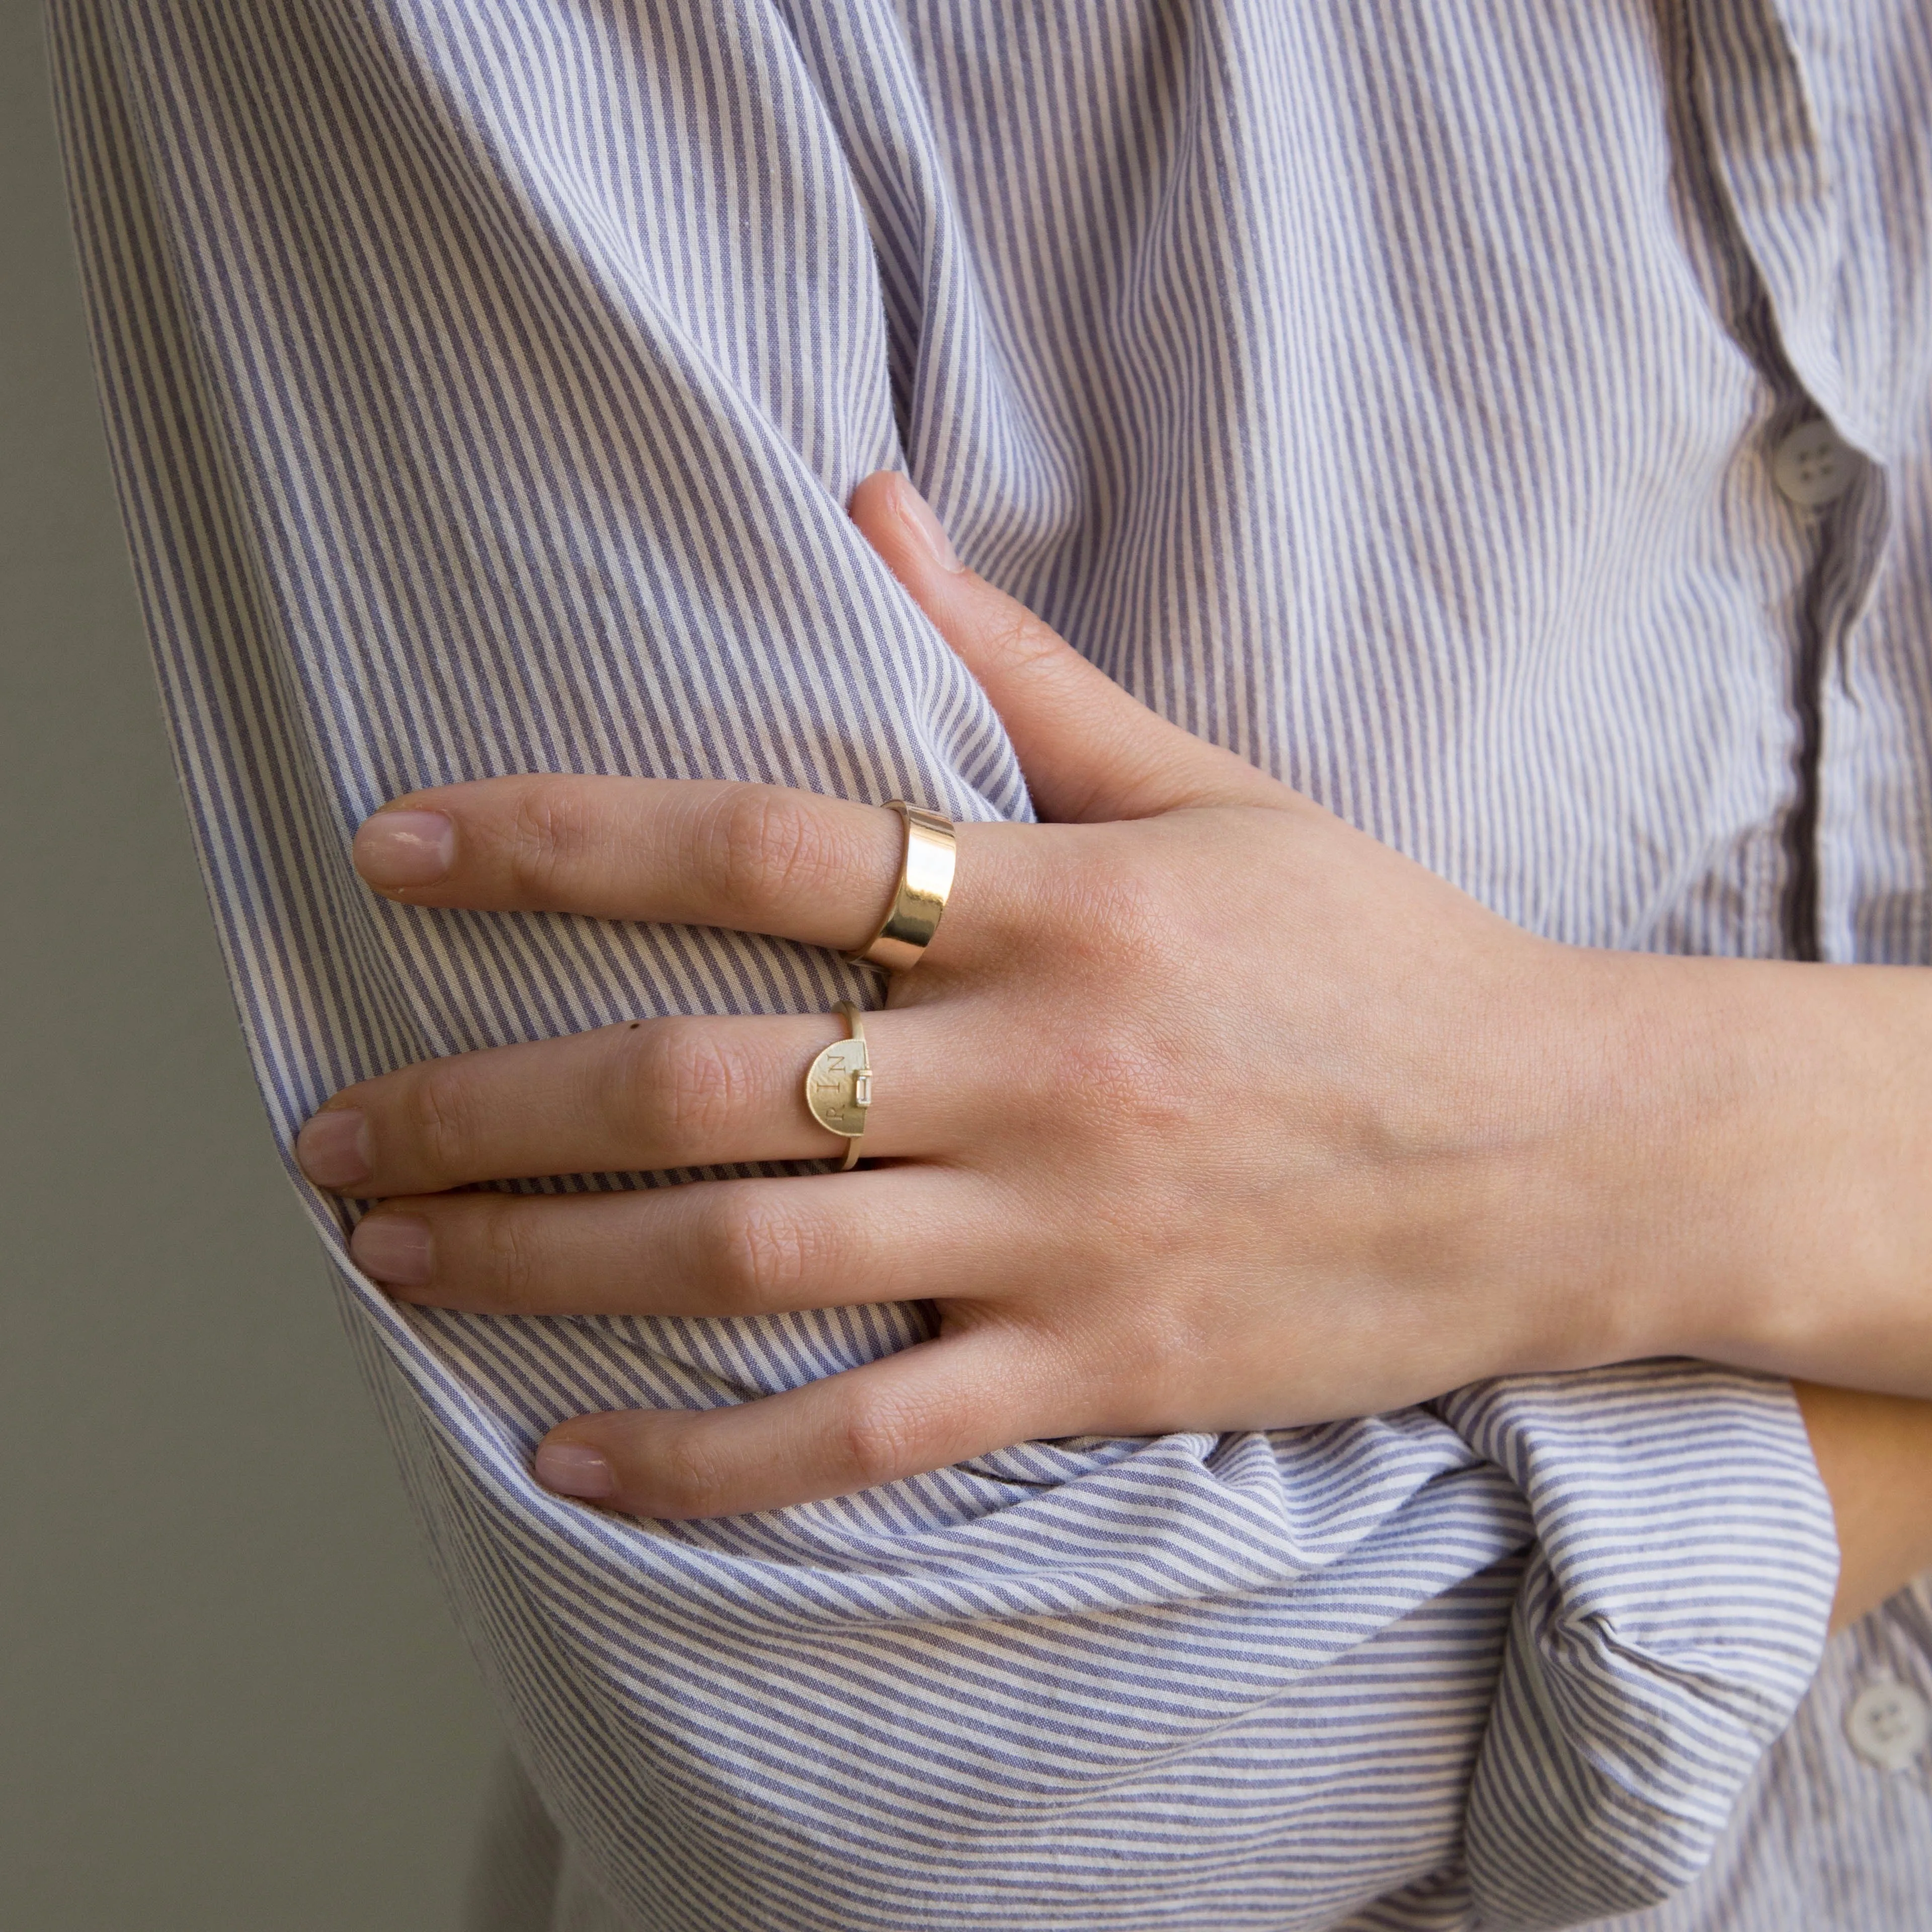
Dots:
pixel 1390 394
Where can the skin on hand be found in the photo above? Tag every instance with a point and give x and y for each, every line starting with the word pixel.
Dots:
pixel 1205 1111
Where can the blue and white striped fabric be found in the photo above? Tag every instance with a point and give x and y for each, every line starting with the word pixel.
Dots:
pixel 1387 392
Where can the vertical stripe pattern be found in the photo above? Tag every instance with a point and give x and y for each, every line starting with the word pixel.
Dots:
pixel 1389 394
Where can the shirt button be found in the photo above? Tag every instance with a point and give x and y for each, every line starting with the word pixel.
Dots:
pixel 1812 467
pixel 1888 1724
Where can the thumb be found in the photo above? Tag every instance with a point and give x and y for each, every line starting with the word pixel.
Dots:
pixel 1090 751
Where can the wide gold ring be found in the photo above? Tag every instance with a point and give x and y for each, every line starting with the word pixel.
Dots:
pixel 839 1085
pixel 925 878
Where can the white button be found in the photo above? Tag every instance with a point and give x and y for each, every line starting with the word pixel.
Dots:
pixel 1888 1724
pixel 1811 467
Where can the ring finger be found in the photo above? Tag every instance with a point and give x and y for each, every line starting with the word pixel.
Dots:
pixel 645 1095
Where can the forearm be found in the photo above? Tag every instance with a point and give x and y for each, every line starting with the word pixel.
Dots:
pixel 1784 1161
pixel 1732 1164
pixel 1821 1153
pixel 1875 1454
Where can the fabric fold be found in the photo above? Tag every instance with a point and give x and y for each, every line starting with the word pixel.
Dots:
pixel 484 386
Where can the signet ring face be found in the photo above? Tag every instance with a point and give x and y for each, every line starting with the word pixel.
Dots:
pixel 839 1085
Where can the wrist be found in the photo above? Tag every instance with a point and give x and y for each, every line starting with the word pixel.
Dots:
pixel 1756 1133
pixel 1579 1228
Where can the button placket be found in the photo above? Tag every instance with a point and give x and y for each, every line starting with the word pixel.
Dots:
pixel 1766 120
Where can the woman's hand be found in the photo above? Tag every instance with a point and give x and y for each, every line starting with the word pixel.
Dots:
pixel 1203 1111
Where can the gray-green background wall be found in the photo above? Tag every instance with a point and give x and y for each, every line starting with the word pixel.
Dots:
pixel 230 1699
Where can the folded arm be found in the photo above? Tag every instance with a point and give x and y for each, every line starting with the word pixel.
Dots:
pixel 464 433
pixel 1142 1207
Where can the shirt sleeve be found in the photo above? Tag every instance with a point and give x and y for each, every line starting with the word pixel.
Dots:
pixel 484 385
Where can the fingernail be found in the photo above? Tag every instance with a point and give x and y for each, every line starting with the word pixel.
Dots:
pixel 394 1248
pixel 406 848
pixel 930 531
pixel 333 1150
pixel 571 1470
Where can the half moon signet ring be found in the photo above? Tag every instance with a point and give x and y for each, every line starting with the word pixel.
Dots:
pixel 839 1085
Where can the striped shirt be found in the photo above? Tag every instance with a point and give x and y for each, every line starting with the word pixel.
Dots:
pixel 1510 425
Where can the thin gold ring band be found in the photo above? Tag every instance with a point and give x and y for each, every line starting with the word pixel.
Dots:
pixel 925 879
pixel 839 1085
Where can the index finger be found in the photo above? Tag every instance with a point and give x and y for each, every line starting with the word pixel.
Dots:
pixel 753 858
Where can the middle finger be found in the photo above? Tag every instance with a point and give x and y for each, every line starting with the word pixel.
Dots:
pixel 647 1095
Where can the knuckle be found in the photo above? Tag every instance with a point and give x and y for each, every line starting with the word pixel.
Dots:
pixel 878 1438
pixel 1163 1358
pixel 441 1118
pixel 1128 1083
pixel 678 1077
pixel 512 1275
pixel 552 829
pixel 1022 642
pixel 1135 921
pixel 1108 915
pixel 758 1257
pixel 758 848
pixel 687 1478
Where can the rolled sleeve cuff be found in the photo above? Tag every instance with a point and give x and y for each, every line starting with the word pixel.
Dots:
pixel 1672 1616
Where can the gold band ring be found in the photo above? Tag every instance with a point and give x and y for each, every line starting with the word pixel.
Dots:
pixel 839 1087
pixel 925 878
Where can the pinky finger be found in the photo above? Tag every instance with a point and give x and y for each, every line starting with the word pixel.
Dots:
pixel 941 1402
